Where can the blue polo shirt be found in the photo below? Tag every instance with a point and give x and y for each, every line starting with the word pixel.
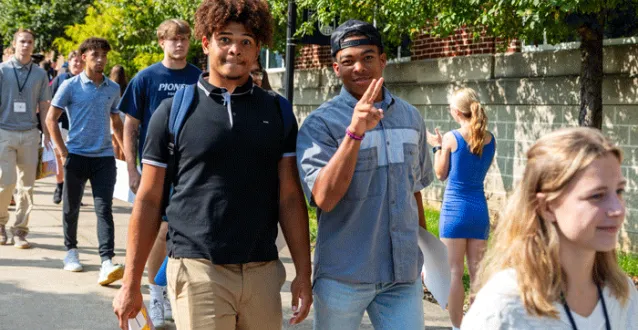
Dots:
pixel 89 108
pixel 371 234
pixel 149 88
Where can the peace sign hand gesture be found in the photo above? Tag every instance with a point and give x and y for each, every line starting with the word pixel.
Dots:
pixel 366 116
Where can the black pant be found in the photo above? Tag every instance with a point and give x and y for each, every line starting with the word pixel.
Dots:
pixel 101 172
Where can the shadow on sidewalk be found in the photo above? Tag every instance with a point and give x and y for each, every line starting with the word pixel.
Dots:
pixel 24 309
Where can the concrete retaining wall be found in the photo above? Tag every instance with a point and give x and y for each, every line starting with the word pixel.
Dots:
pixel 526 95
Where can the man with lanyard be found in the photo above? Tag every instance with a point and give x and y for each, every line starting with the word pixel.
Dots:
pixel 143 95
pixel 90 100
pixel 234 178
pixel 24 88
pixel 363 160
pixel 75 66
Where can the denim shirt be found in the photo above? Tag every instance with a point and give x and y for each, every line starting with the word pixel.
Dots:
pixel 371 234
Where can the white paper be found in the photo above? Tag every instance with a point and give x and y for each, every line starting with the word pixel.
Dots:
pixel 122 190
pixel 48 154
pixel 436 270
pixel 141 321
pixel 138 323
pixel 281 241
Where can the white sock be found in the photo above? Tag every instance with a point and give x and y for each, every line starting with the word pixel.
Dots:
pixel 108 262
pixel 157 292
pixel 455 328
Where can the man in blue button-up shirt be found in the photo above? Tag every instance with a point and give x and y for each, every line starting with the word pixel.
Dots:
pixel 363 161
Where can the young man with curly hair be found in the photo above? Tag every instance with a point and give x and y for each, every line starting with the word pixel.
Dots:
pixel 143 95
pixel 236 177
pixel 89 100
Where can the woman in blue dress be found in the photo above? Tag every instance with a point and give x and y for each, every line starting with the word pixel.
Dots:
pixel 463 156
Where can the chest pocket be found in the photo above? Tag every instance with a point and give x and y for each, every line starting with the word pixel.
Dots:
pixel 364 175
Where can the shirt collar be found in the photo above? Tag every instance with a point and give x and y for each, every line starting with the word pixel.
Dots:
pixel 351 101
pixel 86 80
pixel 209 88
pixel 17 64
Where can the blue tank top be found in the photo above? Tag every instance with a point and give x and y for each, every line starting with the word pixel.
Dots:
pixel 464 212
pixel 467 170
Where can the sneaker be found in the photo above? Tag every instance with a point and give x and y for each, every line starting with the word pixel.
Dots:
pixel 168 311
pixel 57 194
pixel 3 235
pixel 156 313
pixel 20 240
pixel 110 272
pixel 72 261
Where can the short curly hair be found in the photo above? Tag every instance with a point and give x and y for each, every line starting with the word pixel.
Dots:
pixel 94 43
pixel 213 15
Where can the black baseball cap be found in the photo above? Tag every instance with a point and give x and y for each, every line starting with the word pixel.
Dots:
pixel 355 27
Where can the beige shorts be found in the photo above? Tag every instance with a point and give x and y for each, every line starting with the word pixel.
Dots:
pixel 242 296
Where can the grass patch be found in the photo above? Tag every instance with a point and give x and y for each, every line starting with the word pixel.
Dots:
pixel 312 217
pixel 628 263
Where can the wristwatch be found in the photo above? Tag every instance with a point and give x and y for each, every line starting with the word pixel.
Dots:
pixel 435 149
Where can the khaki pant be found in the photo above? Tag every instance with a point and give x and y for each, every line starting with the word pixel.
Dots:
pixel 225 297
pixel 18 163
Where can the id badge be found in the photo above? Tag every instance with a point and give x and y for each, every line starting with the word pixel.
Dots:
pixel 19 106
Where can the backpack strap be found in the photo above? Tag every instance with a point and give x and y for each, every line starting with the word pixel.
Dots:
pixel 179 109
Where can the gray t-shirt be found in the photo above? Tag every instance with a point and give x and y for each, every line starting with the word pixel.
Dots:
pixel 18 110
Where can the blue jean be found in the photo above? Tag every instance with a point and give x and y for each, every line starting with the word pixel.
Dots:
pixel 391 306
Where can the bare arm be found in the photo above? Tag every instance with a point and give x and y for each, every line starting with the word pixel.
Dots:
pixel 51 121
pixel 419 206
pixel 144 223
pixel 142 231
pixel 116 125
pixel 442 158
pixel 131 132
pixel 293 216
pixel 334 179
pixel 43 107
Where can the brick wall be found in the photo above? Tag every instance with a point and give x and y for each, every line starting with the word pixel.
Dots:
pixel 313 56
pixel 424 46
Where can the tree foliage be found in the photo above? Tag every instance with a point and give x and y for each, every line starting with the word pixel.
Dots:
pixel 130 27
pixel 46 17
pixel 532 21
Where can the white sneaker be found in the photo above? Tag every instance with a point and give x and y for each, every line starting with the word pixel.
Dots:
pixel 110 272
pixel 156 312
pixel 72 261
pixel 168 311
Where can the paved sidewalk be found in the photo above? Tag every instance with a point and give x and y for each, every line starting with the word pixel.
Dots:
pixel 35 293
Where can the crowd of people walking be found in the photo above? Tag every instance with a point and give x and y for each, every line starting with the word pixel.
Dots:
pixel 217 162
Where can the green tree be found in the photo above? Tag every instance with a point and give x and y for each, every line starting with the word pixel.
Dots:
pixel 130 27
pixel 46 18
pixel 588 21
pixel 532 20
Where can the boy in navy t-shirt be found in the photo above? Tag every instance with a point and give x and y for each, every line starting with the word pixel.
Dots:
pixel 142 96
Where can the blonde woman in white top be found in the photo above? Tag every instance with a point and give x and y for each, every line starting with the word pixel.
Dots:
pixel 552 262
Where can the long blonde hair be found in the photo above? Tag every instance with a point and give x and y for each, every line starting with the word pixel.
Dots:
pixel 529 244
pixel 466 101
